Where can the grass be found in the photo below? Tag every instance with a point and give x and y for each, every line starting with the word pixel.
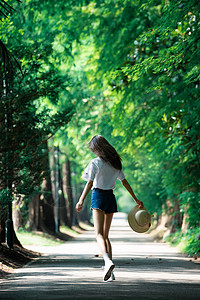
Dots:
pixel 37 238
pixel 69 231
pixel 43 239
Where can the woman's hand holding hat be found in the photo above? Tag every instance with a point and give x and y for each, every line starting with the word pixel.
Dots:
pixel 129 189
pixel 140 203
pixel 139 219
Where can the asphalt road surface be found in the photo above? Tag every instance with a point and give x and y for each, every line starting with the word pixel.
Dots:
pixel 144 270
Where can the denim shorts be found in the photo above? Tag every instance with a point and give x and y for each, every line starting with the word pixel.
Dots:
pixel 104 200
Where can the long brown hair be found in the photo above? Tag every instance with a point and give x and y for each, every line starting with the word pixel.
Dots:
pixel 100 146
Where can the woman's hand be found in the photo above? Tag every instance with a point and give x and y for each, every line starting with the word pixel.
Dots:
pixel 140 203
pixel 79 206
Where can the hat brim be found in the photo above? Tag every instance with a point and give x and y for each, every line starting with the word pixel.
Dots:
pixel 133 223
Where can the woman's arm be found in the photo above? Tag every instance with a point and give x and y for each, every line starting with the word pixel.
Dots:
pixel 84 194
pixel 129 189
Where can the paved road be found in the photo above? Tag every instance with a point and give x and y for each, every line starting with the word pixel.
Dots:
pixel 144 270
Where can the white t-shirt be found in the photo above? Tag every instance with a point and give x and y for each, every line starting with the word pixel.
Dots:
pixel 102 174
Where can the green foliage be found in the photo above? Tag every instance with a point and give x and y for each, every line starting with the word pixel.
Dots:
pixel 145 60
pixel 191 201
pixel 188 242
pixel 144 57
pixel 150 56
pixel 29 111
pixel 5 196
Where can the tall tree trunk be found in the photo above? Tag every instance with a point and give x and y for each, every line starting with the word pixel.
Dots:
pixel 48 201
pixel 68 190
pixel 63 210
pixel 3 217
pixel 35 213
pixel 177 217
pixel 32 225
pixel 48 206
pixel 53 178
pixel 17 217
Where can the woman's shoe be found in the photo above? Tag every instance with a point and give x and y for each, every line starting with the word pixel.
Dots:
pixel 109 267
pixel 112 277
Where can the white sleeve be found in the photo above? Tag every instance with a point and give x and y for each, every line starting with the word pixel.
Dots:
pixel 121 175
pixel 90 172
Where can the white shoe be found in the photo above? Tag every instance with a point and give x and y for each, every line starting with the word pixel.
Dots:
pixel 112 277
pixel 109 267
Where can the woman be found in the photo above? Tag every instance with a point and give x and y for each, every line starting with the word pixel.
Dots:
pixel 101 175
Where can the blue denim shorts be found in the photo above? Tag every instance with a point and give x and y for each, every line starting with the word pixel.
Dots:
pixel 104 200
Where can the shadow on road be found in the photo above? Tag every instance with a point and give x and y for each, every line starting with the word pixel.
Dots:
pixel 144 270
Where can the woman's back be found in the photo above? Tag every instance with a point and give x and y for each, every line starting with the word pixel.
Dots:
pixel 102 174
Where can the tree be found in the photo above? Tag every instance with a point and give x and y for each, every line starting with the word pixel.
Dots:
pixel 142 51
pixel 146 60
pixel 25 123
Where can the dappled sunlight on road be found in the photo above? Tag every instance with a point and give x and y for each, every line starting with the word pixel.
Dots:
pixel 152 270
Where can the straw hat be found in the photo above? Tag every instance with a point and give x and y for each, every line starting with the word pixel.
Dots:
pixel 139 219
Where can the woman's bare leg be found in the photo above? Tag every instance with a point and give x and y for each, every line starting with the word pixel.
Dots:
pixel 98 218
pixel 102 226
pixel 107 223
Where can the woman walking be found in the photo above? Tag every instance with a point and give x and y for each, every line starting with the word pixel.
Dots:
pixel 101 175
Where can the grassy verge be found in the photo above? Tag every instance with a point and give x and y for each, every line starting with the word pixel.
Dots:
pixel 69 231
pixel 188 242
pixel 43 239
pixel 37 238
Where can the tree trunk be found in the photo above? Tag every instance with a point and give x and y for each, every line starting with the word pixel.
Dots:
pixel 63 210
pixel 48 205
pixel 3 217
pixel 17 222
pixel 48 200
pixel 53 181
pixel 15 240
pixel 185 223
pixel 68 190
pixel 34 213
pixel 31 218
pixel 177 217
pixel 17 217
